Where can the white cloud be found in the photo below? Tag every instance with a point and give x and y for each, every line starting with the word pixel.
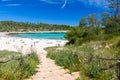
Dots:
pixel 13 4
pixel 64 2
pixel 97 3
pixel 63 6
pixel 53 1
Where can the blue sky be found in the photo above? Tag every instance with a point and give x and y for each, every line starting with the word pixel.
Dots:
pixel 67 12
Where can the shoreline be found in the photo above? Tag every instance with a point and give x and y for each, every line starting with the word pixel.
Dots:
pixel 25 45
pixel 34 32
pixel 10 33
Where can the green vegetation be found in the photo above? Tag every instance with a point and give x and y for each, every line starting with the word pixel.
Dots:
pixel 84 59
pixel 94 39
pixel 91 29
pixel 15 67
pixel 25 27
pixel 64 58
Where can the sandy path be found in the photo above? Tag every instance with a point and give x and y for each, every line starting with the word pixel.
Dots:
pixel 48 70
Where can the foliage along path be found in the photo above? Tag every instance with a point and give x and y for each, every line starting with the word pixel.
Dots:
pixel 48 70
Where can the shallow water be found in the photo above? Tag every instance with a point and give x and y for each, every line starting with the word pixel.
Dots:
pixel 53 35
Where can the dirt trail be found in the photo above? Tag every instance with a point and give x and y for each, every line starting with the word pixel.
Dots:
pixel 48 70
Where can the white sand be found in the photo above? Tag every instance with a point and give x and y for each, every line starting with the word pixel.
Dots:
pixel 48 70
pixel 25 45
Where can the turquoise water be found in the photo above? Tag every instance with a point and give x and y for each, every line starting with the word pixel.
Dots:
pixel 41 35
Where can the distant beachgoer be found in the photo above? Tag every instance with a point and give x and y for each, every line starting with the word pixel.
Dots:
pixel 31 45
pixel 34 43
pixel 58 44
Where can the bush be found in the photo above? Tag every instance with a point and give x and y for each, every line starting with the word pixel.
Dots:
pixel 80 35
pixel 66 59
pixel 19 69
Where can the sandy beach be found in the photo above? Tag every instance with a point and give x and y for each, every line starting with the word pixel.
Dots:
pixel 25 45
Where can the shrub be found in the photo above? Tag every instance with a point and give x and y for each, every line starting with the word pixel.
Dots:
pixel 66 59
pixel 80 35
pixel 19 69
